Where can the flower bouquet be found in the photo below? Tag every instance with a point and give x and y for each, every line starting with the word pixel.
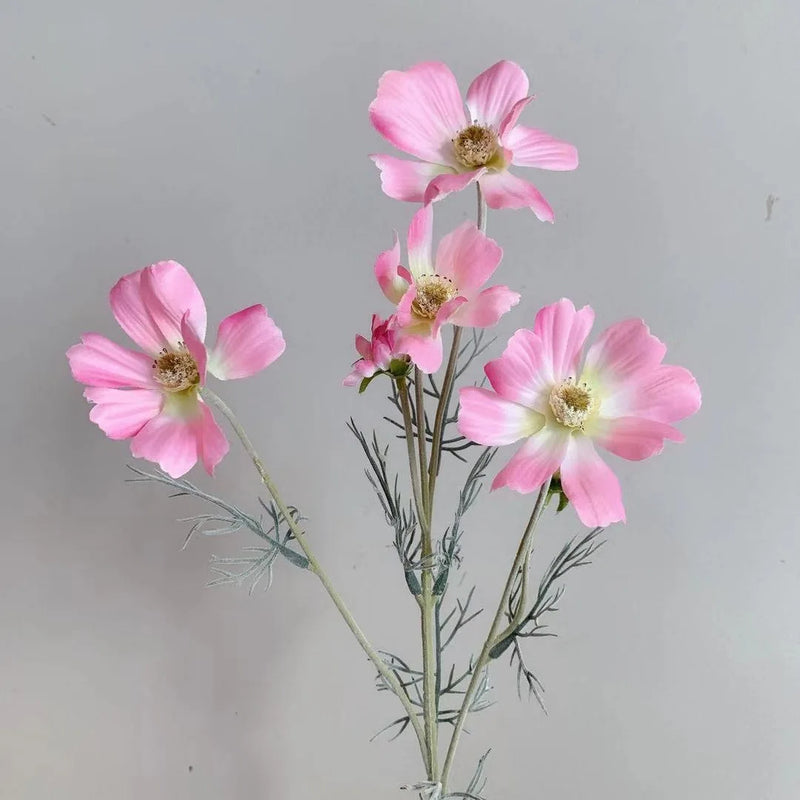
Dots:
pixel 559 401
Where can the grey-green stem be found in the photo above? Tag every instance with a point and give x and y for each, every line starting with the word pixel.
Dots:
pixel 492 638
pixel 315 567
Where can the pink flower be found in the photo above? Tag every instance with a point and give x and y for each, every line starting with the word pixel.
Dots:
pixel 377 355
pixel 420 112
pixel 622 399
pixel 152 397
pixel 430 294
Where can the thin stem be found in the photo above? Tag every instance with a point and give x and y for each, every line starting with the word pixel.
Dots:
pixel 492 637
pixel 419 402
pixel 481 221
pixel 408 426
pixel 314 565
pixel 441 414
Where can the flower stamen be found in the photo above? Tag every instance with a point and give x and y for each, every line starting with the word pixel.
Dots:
pixel 572 403
pixel 433 291
pixel 176 370
pixel 475 146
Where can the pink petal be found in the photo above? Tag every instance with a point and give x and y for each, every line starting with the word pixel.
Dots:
pixel 504 190
pixel 171 441
pixel 98 361
pixel 468 257
pixel 590 485
pixel 404 316
pixel 247 342
pixel 510 119
pixel 424 351
pixel 634 438
pixel 389 275
pixel 494 92
pixel 447 311
pixel 622 352
pixel 419 111
pixel 485 310
pixel 488 419
pixel 363 346
pixel 132 314
pixel 535 148
pixel 195 346
pixel 406 180
pixel 212 446
pixel 169 292
pixel 420 234
pixel 538 458
pixel 666 393
pixel 442 185
pixel 121 413
pixel 523 373
pixel 563 330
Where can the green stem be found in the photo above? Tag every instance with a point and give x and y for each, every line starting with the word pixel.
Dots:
pixel 492 637
pixel 441 415
pixel 426 600
pixel 315 567
pixel 419 401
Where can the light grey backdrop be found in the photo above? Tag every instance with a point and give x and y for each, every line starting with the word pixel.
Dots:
pixel 233 136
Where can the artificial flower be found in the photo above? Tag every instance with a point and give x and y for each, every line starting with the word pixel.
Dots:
pixel 622 399
pixel 448 289
pixel 420 111
pixel 378 355
pixel 152 397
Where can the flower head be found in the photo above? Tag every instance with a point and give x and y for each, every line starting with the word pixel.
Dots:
pixel 420 111
pixel 378 355
pixel 622 398
pixel 447 289
pixel 152 397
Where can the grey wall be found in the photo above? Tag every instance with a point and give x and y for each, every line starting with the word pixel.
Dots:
pixel 233 137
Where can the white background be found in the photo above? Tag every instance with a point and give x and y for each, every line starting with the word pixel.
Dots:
pixel 233 137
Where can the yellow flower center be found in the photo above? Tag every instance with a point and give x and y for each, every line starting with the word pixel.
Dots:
pixel 176 370
pixel 572 403
pixel 433 291
pixel 475 146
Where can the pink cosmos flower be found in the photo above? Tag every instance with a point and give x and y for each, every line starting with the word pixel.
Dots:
pixel 623 399
pixel 152 397
pixel 420 112
pixel 378 354
pixel 448 290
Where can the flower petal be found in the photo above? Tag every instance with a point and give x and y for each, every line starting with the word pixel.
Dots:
pixel 494 93
pixel 390 275
pixel 510 119
pixel 486 418
pixel 590 485
pixel 621 353
pixel 121 413
pixel 468 257
pixel 667 393
pixel 442 185
pixel 424 351
pixel 98 361
pixel 195 346
pixel 535 148
pixel 523 373
pixel 169 292
pixel 420 111
pixel 563 330
pixel 485 310
pixel 247 342
pixel 538 458
pixel 132 314
pixel 406 180
pixel 420 234
pixel 169 440
pixel 634 438
pixel 212 446
pixel 504 190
